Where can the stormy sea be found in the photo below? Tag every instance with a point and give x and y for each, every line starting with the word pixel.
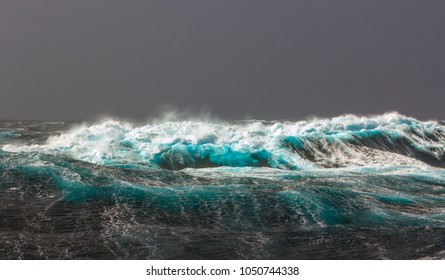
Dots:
pixel 349 187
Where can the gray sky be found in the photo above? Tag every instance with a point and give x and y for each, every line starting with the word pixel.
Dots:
pixel 71 59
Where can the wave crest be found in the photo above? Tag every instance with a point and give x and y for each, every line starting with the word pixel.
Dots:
pixel 348 140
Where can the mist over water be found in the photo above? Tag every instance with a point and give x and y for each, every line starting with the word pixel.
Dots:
pixel 350 187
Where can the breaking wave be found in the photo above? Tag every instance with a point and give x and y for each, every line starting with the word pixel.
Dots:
pixel 386 140
pixel 349 187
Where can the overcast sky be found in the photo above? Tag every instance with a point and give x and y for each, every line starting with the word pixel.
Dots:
pixel 77 59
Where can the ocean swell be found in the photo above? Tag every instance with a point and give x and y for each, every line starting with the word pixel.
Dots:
pixel 346 187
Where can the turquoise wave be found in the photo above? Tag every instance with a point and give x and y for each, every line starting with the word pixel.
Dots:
pixel 346 187
pixel 345 141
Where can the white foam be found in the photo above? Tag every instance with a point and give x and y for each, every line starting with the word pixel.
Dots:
pixel 111 141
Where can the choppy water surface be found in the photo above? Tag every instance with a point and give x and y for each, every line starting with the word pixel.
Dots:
pixel 349 187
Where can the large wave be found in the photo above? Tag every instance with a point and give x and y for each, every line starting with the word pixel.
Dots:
pixel 349 140
pixel 346 187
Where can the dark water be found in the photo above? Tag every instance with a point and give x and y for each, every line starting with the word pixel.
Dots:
pixel 345 188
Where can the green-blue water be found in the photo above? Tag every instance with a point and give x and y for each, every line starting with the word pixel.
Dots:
pixel 343 188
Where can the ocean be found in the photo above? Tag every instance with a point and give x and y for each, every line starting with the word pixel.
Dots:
pixel 349 187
